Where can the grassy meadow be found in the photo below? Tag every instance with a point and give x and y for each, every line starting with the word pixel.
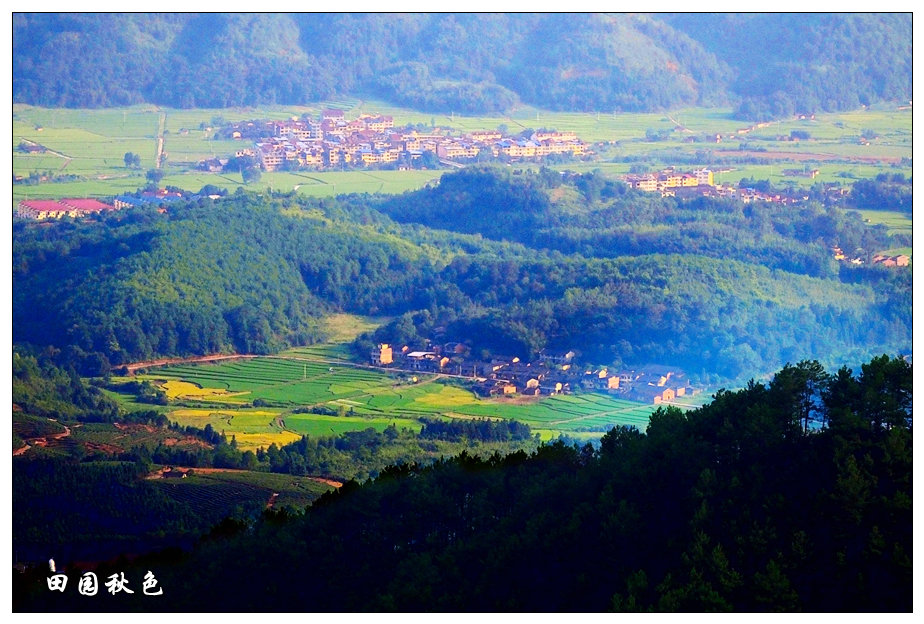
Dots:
pixel 897 222
pixel 91 145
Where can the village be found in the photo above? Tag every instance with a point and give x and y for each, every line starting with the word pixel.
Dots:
pixel 670 182
pixel 554 372
pixel 372 140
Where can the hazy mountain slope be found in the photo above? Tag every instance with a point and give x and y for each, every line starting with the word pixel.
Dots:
pixel 809 61
pixel 771 63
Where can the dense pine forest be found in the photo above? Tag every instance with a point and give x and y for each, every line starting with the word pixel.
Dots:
pixel 57 489
pixel 793 495
pixel 767 65
pixel 508 262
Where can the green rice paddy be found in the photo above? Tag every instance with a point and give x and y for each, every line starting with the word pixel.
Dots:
pixel 265 394
pixel 897 222
pixel 91 144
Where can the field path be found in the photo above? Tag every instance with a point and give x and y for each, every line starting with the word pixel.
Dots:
pixel 679 125
pixel 614 412
pixel 157 474
pixel 161 125
pixel 365 395
pixel 43 440
pixel 197 359
pixel 67 159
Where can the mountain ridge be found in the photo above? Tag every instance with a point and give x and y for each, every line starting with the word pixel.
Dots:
pixel 468 63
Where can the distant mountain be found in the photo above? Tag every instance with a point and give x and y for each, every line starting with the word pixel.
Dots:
pixel 804 62
pixel 470 63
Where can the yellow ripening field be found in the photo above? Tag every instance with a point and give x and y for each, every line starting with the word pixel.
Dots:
pixel 176 389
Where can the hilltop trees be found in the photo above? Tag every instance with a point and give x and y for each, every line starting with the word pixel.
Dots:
pixel 487 258
pixel 730 507
pixel 132 160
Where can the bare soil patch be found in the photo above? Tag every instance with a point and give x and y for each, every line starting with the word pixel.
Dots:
pixel 190 360
pixel 134 427
pixel 186 441
pixel 105 448
pixel 157 474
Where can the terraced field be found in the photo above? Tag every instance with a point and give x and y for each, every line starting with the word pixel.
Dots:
pixel 264 400
pixel 213 492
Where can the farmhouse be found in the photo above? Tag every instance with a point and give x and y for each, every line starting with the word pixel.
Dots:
pixel 651 394
pixel 490 388
pixel 174 473
pixel 892 261
pixel 671 179
pixel 800 173
pixel 382 356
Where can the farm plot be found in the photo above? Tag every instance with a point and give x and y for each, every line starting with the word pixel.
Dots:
pixel 117 438
pixel 320 352
pixel 251 429
pixel 897 222
pixel 217 494
pixel 233 420
pixel 134 121
pixel 318 425
pixel 244 375
pixel 364 398
pixel 569 412
pixel 291 490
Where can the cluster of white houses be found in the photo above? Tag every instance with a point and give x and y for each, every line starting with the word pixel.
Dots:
pixel 668 179
pixel 672 183
pixel 332 141
pixel 553 373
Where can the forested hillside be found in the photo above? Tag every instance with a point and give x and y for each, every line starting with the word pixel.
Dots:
pixel 506 262
pixel 736 506
pixel 770 65
pixel 789 63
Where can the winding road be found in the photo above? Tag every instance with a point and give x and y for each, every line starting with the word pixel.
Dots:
pixel 43 440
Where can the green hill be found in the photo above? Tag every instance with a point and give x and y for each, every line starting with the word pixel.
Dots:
pixel 467 63
pixel 507 263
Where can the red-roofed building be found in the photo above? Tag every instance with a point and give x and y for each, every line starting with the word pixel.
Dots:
pixel 57 209
pixel 41 209
pixel 87 206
